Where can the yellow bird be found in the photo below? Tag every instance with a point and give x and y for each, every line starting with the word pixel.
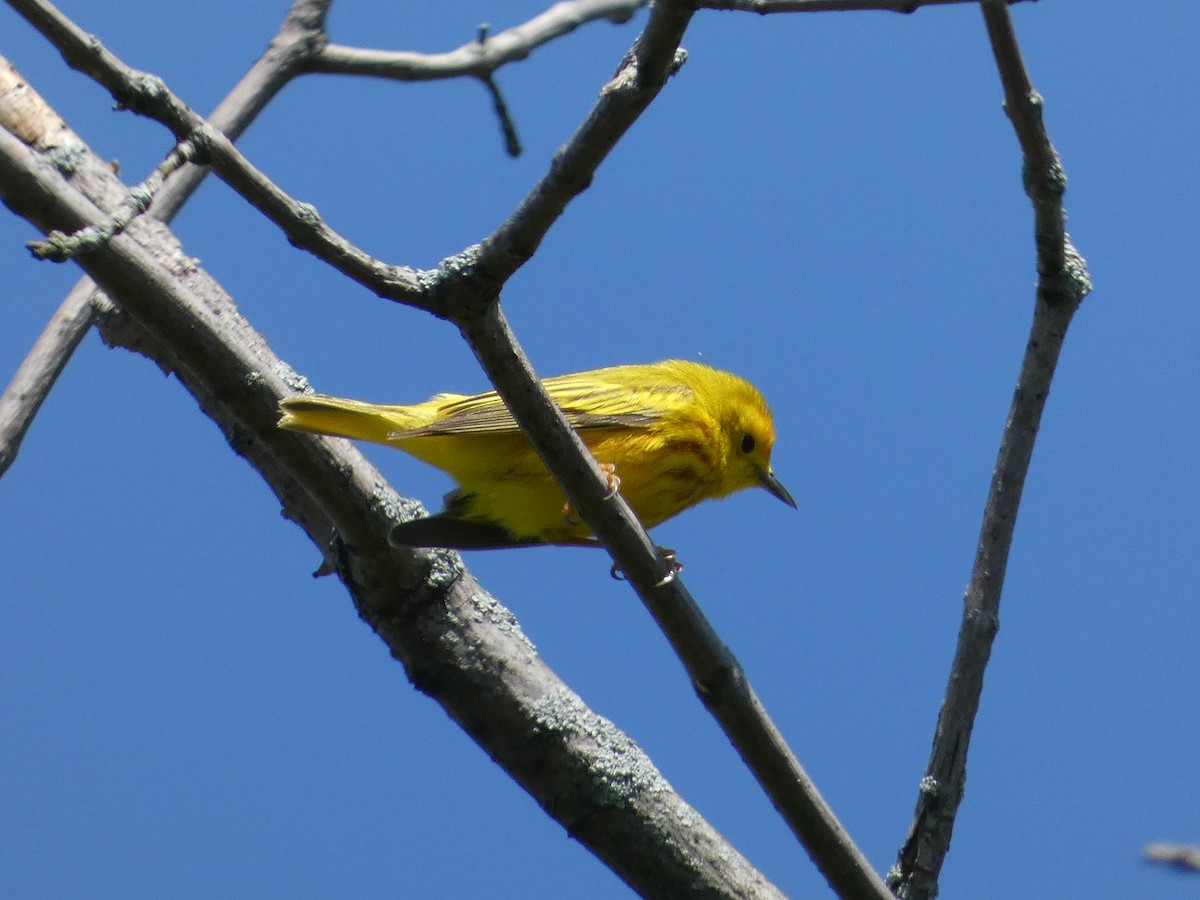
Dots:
pixel 670 434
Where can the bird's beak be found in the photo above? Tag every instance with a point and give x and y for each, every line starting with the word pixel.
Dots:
pixel 773 484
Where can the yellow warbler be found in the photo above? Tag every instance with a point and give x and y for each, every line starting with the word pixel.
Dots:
pixel 670 434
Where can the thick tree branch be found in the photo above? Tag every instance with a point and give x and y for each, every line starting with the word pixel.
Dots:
pixel 1062 285
pixel 456 642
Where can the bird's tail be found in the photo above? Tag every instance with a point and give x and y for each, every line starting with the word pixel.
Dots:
pixel 350 418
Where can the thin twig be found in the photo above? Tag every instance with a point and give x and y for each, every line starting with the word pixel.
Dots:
pixel 1062 285
pixel 512 142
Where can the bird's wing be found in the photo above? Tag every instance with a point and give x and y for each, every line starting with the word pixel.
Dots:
pixel 586 402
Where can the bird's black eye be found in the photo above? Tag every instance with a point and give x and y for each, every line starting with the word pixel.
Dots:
pixel 747 443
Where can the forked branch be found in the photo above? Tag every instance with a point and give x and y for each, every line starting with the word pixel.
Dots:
pixel 1062 285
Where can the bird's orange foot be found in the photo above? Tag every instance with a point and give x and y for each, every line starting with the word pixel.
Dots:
pixel 614 485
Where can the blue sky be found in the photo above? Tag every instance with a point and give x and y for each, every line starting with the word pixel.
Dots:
pixel 829 205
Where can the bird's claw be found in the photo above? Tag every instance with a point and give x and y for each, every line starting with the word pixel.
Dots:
pixel 668 556
pixel 614 485
pixel 614 480
pixel 675 567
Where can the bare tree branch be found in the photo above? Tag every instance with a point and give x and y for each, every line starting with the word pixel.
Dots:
pixel 477 58
pixel 1062 284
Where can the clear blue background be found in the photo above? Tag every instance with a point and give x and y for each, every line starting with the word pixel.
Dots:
pixel 828 204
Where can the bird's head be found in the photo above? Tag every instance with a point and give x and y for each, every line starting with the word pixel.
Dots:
pixel 749 430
